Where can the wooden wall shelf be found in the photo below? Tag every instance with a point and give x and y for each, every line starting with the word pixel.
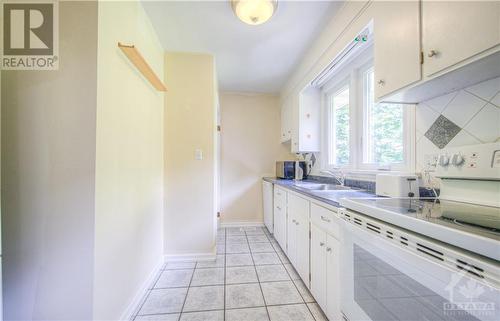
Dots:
pixel 136 58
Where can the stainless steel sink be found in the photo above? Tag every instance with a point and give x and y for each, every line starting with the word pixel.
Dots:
pixel 322 187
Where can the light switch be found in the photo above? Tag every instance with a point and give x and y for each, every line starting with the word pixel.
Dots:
pixel 198 154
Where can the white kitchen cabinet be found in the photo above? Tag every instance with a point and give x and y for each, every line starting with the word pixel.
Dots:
pixel 306 136
pixel 325 250
pixel 318 265
pixel 267 203
pixel 332 278
pixel 280 217
pixel 453 31
pixel 286 120
pixel 396 46
pixel 298 235
pixel 300 120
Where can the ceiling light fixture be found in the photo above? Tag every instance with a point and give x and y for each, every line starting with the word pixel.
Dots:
pixel 254 12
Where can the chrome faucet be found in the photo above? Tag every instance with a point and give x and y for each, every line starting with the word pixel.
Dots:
pixel 337 174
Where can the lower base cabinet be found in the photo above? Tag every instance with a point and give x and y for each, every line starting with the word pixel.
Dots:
pixel 325 287
pixel 280 216
pixel 298 235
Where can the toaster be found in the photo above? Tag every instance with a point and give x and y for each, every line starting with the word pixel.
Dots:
pixel 397 185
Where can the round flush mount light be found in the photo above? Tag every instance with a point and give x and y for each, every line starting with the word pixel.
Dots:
pixel 254 12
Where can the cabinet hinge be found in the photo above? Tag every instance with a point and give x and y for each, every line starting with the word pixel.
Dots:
pixel 309 234
pixel 421 57
pixel 309 276
pixel 218 128
pixel 218 214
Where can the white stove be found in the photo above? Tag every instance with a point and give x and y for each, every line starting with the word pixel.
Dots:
pixel 427 259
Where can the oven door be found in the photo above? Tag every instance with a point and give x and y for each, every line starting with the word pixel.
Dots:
pixel 383 279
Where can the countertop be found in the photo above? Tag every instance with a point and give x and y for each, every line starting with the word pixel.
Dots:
pixel 332 198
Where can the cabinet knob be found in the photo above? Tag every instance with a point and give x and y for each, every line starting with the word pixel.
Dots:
pixel 328 249
pixel 381 82
pixel 279 208
pixel 325 219
pixel 296 223
pixel 289 132
pixel 432 53
pixel 321 244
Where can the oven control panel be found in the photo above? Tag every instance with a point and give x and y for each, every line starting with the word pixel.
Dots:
pixel 470 162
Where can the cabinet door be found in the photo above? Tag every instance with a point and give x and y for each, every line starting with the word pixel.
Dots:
pixel 283 122
pixel 318 265
pixel 303 246
pixel 309 120
pixel 286 118
pixel 396 45
pixel 280 228
pixel 280 213
pixel 332 278
pixel 297 209
pixel 453 31
pixel 267 204
pixel 291 242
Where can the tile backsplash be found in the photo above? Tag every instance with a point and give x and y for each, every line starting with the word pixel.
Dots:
pixel 464 117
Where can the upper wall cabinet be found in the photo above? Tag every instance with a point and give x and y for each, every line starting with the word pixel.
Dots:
pixel 460 47
pixel 286 120
pixel 307 121
pixel 396 45
pixel 300 121
pixel 454 31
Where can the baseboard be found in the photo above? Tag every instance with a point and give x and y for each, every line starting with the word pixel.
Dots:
pixel 191 257
pixel 241 224
pixel 134 305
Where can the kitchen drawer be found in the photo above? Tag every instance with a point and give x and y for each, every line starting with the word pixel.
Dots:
pixel 325 219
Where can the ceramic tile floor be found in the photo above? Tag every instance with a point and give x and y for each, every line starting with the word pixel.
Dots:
pixel 251 280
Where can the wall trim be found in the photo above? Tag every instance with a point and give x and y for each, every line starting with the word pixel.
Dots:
pixel 190 257
pixel 141 294
pixel 241 224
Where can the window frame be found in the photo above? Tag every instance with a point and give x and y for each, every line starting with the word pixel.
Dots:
pixel 328 138
pixel 353 74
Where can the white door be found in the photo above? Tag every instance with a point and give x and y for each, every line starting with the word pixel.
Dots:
pixel 291 238
pixel 298 210
pixel 303 246
pixel 332 278
pixel 267 203
pixel 396 45
pixel 318 265
pixel 279 227
pixel 453 31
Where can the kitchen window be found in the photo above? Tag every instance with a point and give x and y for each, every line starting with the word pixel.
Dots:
pixel 360 134
pixel 338 111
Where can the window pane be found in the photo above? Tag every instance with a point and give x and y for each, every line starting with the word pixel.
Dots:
pixel 383 128
pixel 339 127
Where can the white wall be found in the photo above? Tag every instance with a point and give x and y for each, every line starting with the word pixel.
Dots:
pixel 48 154
pixel 190 124
pixel 82 165
pixel 129 160
pixel 250 146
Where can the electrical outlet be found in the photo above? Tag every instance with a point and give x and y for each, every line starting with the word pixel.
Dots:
pixel 431 160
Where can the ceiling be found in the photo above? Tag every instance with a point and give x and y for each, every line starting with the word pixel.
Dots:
pixel 249 58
